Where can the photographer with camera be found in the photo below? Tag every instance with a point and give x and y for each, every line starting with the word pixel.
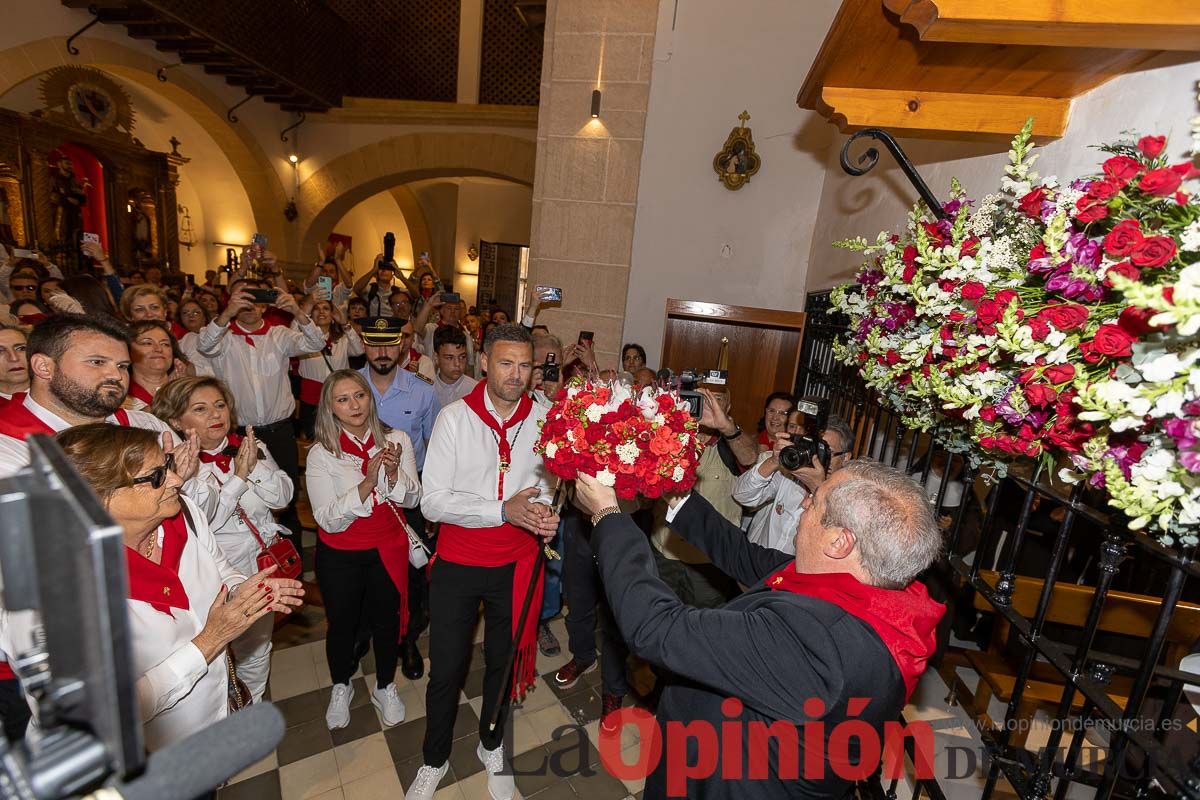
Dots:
pixel 377 292
pixel 784 489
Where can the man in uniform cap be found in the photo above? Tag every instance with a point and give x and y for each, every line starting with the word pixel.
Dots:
pixel 405 401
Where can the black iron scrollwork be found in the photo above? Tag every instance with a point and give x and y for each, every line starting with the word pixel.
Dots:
pixel 233 117
pixel 870 158
pixel 283 133
pixel 71 48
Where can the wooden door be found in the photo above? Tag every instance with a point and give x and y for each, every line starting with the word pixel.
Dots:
pixel 764 349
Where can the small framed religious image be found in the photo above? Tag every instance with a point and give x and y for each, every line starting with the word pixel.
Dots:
pixel 737 161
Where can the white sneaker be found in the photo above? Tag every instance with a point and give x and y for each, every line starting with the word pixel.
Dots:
pixel 338 713
pixel 389 705
pixel 426 782
pixel 500 786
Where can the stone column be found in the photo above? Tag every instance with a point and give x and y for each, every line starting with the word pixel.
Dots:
pixel 586 180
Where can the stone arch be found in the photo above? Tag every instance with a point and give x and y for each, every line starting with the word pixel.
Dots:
pixel 261 182
pixel 329 193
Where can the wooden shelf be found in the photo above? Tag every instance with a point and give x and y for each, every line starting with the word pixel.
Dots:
pixel 876 68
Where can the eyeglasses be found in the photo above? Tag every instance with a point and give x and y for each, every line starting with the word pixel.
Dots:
pixel 23 287
pixel 157 476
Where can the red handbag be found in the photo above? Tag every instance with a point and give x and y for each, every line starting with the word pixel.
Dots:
pixel 282 554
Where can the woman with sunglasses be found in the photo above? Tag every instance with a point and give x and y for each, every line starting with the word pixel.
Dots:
pixel 238 485
pixel 359 475
pixel 186 601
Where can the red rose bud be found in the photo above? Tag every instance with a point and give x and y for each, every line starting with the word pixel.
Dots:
pixel 1151 146
pixel 1103 190
pixel 1181 198
pixel 1059 374
pixel 1185 170
pixel 956 316
pixel 1154 252
pixel 1089 209
pixel 1160 182
pixel 1136 321
pixel 1031 204
pixel 1065 316
pixel 1040 395
pixel 910 272
pixel 946 334
pixel 1089 352
pixel 1121 168
pixel 1113 341
pixel 1124 269
pixel 1124 238
pixel 1006 296
pixel 909 256
pixel 989 312
pixel 1038 251
pixel 1169 294
pixel 969 247
pixel 1038 329
pixel 1027 376
pixel 892 357
pixel 973 290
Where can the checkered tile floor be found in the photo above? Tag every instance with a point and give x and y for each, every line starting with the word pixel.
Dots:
pixel 364 761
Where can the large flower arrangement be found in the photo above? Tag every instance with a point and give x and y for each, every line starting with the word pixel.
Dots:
pixel 1050 320
pixel 638 443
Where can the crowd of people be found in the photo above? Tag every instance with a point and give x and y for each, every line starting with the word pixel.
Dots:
pixel 187 407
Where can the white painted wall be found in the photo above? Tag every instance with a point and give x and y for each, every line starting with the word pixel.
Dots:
pixel 694 239
pixel 1160 98
pixel 367 223
pixel 492 210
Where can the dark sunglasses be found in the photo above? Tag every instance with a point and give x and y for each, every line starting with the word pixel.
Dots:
pixel 158 476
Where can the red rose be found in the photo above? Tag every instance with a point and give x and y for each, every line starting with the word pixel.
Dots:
pixel 1124 269
pixel 1151 146
pixel 1040 395
pixel 1121 168
pixel 1031 204
pixel 1169 294
pixel 973 290
pixel 988 312
pixel 892 357
pixel 1112 340
pixel 988 414
pixel 1059 374
pixel 909 256
pixel 1006 296
pixel 1160 182
pixel 1038 329
pixel 1065 316
pixel 1154 251
pixel 1089 209
pixel 1102 190
pixel 956 316
pixel 1181 198
pixel 1184 170
pixel 969 247
pixel 1038 251
pixel 1124 238
pixel 1136 321
pixel 910 272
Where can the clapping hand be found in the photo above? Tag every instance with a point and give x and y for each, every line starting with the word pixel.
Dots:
pixel 187 453
pixel 284 593
pixel 247 455
pixel 391 462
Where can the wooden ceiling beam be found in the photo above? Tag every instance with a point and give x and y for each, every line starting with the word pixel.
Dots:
pixel 943 115
pixel 1132 24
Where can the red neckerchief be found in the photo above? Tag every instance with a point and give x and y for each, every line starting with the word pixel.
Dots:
pixel 905 619
pixel 219 458
pixel 352 448
pixel 140 392
pixel 19 422
pixel 414 360
pixel 475 402
pixel 238 330
pixel 122 417
pixel 159 584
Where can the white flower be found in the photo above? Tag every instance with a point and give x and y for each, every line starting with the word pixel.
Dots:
pixel 1189 238
pixel 1169 405
pixel 594 413
pixel 552 448
pixel 628 452
pixel 677 474
pixel 606 478
pixel 570 435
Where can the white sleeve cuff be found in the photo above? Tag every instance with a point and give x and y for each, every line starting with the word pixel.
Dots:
pixel 673 511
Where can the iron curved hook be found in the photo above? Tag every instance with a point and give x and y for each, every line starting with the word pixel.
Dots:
pixel 71 48
pixel 283 133
pixel 233 117
pixel 870 157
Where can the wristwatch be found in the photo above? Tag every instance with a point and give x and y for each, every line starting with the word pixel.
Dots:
pixel 737 431
pixel 604 512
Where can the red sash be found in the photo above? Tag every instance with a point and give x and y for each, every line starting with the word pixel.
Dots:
pixel 140 392
pixel 501 545
pixel 122 417
pixel 238 330
pixel 905 619
pixel 19 422
pixel 159 584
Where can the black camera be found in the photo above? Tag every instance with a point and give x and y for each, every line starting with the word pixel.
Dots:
pixel 689 379
pixel 551 372
pixel 809 445
pixel 389 248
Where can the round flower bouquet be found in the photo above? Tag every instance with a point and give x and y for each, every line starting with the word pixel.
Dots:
pixel 1052 319
pixel 636 442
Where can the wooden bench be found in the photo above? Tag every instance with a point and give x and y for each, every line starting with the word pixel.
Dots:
pixel 1124 613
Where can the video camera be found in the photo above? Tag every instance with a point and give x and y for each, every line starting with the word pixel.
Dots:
pixel 71 645
pixel 804 448
pixel 551 372
pixel 689 379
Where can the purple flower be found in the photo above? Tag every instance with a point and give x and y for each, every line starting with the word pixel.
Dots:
pixel 1084 250
pixel 870 277
pixel 1097 480
pixel 1059 281
pixel 1190 460
pixel 1125 457
pixel 1185 432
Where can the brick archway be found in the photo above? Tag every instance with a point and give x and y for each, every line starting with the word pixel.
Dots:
pixel 329 193
pixel 260 181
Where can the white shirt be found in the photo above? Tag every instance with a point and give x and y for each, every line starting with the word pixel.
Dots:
pixel 332 480
pixel 190 345
pixel 462 466
pixel 267 487
pixel 774 525
pixel 447 393
pixel 933 484
pixel 258 375
pixel 178 692
pixel 313 366
pixel 14 453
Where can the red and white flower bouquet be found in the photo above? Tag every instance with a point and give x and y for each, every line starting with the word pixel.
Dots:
pixel 638 442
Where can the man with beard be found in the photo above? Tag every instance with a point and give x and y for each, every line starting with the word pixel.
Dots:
pixel 491 493
pixel 406 402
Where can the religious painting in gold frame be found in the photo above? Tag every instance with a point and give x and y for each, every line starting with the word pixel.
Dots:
pixel 737 161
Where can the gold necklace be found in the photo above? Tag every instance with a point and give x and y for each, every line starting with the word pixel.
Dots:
pixel 150 543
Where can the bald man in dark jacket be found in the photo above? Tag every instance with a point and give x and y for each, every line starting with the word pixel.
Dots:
pixel 829 635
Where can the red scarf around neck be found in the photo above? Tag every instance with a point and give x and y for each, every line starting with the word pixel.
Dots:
pixel 476 402
pixel 238 330
pixel 159 584
pixel 219 458
pixel 19 422
pixel 353 448
pixel 140 392
pixel 905 619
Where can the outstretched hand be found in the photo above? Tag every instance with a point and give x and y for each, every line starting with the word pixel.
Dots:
pixel 593 495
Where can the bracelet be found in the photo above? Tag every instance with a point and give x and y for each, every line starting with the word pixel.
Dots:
pixel 604 512
pixel 737 431
pixel 503 515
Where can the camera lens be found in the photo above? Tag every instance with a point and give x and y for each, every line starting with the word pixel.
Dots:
pixel 791 458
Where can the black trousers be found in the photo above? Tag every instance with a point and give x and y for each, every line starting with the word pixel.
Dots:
pixel 307 421
pixel 584 595
pixel 455 592
pixel 280 440
pixel 357 587
pixel 14 711
pixel 418 583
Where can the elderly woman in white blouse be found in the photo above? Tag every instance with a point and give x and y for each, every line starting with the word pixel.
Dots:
pixel 359 474
pixel 237 486
pixel 186 601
